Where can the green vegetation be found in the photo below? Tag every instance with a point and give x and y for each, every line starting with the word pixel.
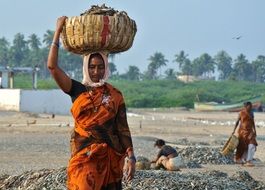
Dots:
pixel 24 81
pixel 169 93
pixel 32 52
pixel 150 88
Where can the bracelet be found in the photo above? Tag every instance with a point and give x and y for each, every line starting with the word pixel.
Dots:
pixel 56 44
pixel 132 158
pixel 129 149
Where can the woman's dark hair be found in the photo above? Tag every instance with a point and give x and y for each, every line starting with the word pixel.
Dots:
pixel 159 142
pixel 93 55
pixel 247 104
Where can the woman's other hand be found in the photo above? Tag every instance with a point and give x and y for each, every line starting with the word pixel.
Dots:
pixel 129 170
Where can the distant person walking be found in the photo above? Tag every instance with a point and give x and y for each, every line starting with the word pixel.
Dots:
pixel 167 156
pixel 101 137
pixel 247 136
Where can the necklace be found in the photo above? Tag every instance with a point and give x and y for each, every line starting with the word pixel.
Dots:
pixel 90 92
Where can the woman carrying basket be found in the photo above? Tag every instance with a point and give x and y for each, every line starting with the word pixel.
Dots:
pixel 101 139
pixel 247 136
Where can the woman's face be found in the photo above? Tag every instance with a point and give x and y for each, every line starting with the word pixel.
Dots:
pixel 96 69
pixel 249 107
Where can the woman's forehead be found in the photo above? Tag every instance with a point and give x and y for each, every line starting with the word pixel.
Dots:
pixel 96 61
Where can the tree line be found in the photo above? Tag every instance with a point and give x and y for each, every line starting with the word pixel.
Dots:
pixel 32 52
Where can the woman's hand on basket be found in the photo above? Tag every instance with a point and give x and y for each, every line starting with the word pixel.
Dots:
pixel 60 23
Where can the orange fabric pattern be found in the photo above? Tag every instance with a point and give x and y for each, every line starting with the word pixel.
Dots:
pixel 245 133
pixel 99 141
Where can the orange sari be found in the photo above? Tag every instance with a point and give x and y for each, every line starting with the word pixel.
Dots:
pixel 245 133
pixel 99 141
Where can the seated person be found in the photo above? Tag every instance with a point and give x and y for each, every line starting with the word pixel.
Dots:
pixel 167 157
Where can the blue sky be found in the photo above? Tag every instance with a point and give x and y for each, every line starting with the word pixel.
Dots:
pixel 168 26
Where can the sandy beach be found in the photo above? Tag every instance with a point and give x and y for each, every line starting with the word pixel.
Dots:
pixel 37 141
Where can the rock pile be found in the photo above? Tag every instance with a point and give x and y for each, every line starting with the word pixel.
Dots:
pixel 142 163
pixel 155 180
pixel 195 156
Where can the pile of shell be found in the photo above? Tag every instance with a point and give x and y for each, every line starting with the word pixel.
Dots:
pixel 161 180
pixel 56 179
pixel 41 179
pixel 204 155
pixel 185 141
pixel 142 163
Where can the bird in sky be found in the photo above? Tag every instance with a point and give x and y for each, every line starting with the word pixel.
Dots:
pixel 237 38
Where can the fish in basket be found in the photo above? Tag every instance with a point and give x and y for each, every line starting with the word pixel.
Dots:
pixel 100 28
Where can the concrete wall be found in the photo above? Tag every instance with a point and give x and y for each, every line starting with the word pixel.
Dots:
pixel 10 99
pixel 35 101
pixel 45 101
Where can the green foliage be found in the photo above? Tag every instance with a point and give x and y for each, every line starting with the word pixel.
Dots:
pixel 170 74
pixel 112 68
pixel 156 62
pixel 184 63
pixel 143 89
pixel 4 52
pixel 203 65
pixel 258 67
pixel 224 64
pixel 133 73
pixel 24 81
pixel 168 93
pixel 243 68
pixel 172 93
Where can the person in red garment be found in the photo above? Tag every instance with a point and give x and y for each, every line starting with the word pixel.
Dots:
pixel 101 139
pixel 247 136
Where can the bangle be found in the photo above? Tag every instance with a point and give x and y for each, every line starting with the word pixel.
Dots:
pixel 56 44
pixel 130 149
pixel 132 158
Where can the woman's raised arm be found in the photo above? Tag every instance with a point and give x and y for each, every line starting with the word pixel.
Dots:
pixel 61 78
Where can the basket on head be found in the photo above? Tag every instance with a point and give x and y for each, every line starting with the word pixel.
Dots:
pixel 230 145
pixel 99 29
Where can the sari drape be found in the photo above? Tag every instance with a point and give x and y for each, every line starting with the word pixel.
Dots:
pixel 245 133
pixel 99 141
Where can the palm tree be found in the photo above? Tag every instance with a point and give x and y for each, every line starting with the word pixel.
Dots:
pixel 203 65
pixel 133 73
pixel 181 58
pixel 243 68
pixel 19 50
pixel 4 50
pixel 35 57
pixel 112 68
pixel 156 62
pixel 48 37
pixel 208 63
pixel 259 69
pixel 224 64
pixel 187 68
pixel 34 42
pixel 170 74
pixel 184 63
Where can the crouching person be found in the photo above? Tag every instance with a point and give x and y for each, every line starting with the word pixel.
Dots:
pixel 167 157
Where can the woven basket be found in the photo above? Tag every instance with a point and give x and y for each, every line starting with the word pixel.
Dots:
pixel 230 145
pixel 92 32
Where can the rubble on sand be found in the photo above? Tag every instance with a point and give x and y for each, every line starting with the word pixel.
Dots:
pixel 194 156
pixel 151 179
